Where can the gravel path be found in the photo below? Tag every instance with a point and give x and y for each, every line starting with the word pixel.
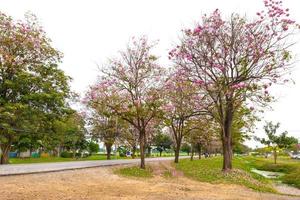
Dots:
pixel 19 169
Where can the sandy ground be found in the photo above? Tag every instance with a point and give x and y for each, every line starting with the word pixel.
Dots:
pixel 100 183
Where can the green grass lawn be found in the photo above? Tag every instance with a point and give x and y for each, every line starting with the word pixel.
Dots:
pixel 59 159
pixel 209 170
pixel 135 172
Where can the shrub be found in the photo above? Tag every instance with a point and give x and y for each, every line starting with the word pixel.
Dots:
pixel 66 154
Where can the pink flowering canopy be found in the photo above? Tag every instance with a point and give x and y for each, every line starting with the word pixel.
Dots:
pixel 33 45
pixel 238 59
pixel 181 97
pixel 130 84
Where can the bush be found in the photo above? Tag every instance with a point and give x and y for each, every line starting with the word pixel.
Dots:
pixel 85 155
pixel 66 154
pixel 93 147
pixel 122 151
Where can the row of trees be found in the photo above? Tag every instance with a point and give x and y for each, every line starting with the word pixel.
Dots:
pixel 220 77
pixel 35 111
pixel 221 73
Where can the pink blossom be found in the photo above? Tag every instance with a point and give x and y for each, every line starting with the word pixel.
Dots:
pixel 239 86
pixel 197 30
pixel 199 82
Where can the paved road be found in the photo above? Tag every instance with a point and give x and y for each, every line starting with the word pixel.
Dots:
pixel 18 169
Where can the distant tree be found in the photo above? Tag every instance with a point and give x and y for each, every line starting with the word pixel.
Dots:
pixel 162 142
pixel 106 129
pixel 181 104
pixel 242 127
pixel 130 88
pixel 72 131
pixel 130 137
pixel 201 132
pixel 276 142
pixel 241 148
pixel 185 147
pixel 93 147
pixel 295 148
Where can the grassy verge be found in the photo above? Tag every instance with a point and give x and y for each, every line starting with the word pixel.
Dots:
pixel 58 159
pixel 291 168
pixel 209 170
pixel 135 172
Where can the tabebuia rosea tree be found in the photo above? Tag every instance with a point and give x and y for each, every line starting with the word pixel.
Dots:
pixel 130 88
pixel 234 61
pixel 182 102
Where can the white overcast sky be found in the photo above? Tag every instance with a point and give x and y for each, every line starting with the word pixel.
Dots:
pixel 90 31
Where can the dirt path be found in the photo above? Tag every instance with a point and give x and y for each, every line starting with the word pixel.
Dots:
pixel 102 184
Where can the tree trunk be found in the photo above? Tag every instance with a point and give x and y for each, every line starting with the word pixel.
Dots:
pixel 199 150
pixel 192 152
pixel 5 148
pixel 227 140
pixel 142 148
pixel 133 152
pixel 149 151
pixel 74 153
pixel 227 154
pixel 30 151
pixel 160 152
pixel 177 150
pixel 275 156
pixel 108 151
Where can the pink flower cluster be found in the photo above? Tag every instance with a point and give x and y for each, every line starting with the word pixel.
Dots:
pixel 239 85
pixel 198 30
pixel 199 82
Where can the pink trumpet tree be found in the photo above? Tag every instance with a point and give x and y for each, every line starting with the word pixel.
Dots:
pixel 182 102
pixel 235 61
pixel 130 88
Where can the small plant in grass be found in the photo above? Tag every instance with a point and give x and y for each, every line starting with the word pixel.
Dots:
pixel 135 172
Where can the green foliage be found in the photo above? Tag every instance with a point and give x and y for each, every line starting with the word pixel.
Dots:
pixel 275 142
pixel 281 141
pixel 122 151
pixel 66 154
pixel 135 172
pixel 33 90
pixel 162 142
pixel 240 148
pixel 105 128
pixel 69 132
pixel 93 147
pixel 186 148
